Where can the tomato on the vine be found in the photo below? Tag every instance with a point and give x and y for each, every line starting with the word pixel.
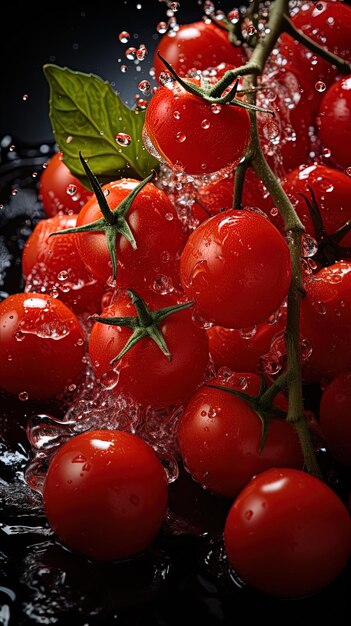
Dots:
pixel 105 494
pixel 197 46
pixel 287 533
pixel 193 135
pixel 145 372
pixel 334 417
pixel 157 231
pixel 59 190
pixel 53 265
pixel 334 122
pixel 41 345
pixel 236 267
pixel 220 434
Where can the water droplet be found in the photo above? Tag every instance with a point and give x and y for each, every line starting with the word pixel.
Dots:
pixel 348 171
pixel 79 459
pixel 320 307
pixel 124 36
pixel 309 246
pixel 181 137
pixel 248 333
pixel 131 54
pixel 326 153
pixel 320 86
pixel 124 69
pixel 14 192
pixel 123 139
pixel 144 86
pixel 72 387
pixel 23 396
pixel 169 217
pixel 165 256
pixel 209 7
pixel 205 124
pixel 19 336
pixel 216 108
pixel 248 514
pixel 166 79
pixel 176 115
pixel 12 148
pixel 25 97
pixel 63 275
pixel 71 189
pixel 234 16
pixel 161 27
pixel 251 30
pixel 274 211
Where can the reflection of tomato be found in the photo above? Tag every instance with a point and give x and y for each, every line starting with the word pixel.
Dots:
pixel 335 121
pixel 105 494
pixel 197 46
pixel 53 265
pixel 219 437
pixel 60 191
pixel 41 345
pixel 335 417
pixel 288 534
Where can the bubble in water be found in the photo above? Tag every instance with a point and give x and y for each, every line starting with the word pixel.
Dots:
pixel 205 124
pixel 25 97
pixel 19 336
pixel 326 153
pixel 174 6
pixel 251 30
pixel 181 137
pixel 320 86
pixel 234 16
pixel 144 86
pixel 23 396
pixel 169 217
pixel 348 171
pixel 161 27
pixel 131 54
pixel 63 275
pixel 209 7
pixel 14 192
pixel 215 108
pixel 124 36
pixel 141 52
pixel 123 139
pixel 71 189
pixel 166 79
pixel 123 69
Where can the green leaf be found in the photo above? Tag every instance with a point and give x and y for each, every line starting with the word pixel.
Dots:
pixel 86 115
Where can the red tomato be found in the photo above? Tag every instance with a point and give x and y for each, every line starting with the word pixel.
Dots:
pixel 332 190
pixel 145 372
pixel 287 534
pixel 59 190
pixel 41 346
pixel 157 230
pixel 239 351
pixel 197 46
pixel 329 24
pixel 335 121
pixel 189 133
pixel 335 417
pixel 326 318
pixel 219 438
pixel 236 267
pixel 105 494
pixel 53 265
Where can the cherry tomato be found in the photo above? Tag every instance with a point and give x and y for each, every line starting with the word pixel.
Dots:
pixel 190 134
pixel 219 438
pixel 236 267
pixel 105 494
pixel 326 318
pixel 59 190
pixel 335 121
pixel 41 346
pixel 197 46
pixel 145 372
pixel 287 533
pixel 327 23
pixel 241 351
pixel 53 265
pixel 334 417
pixel 157 230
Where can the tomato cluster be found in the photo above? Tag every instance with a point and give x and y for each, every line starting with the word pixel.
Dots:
pixel 187 311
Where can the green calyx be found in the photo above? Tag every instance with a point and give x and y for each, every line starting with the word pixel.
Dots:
pixel 262 404
pixel 329 249
pixel 114 221
pixel 145 324
pixel 212 95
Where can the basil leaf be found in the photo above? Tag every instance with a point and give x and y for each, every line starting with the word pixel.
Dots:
pixel 86 115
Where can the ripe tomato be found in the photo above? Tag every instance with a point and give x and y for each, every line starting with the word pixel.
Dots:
pixel 145 372
pixel 334 417
pixel 335 121
pixel 241 351
pixel 219 438
pixel 157 230
pixel 105 494
pixel 327 23
pixel 197 46
pixel 287 534
pixel 326 318
pixel 59 190
pixel 41 347
pixel 189 133
pixel 52 265
pixel 236 267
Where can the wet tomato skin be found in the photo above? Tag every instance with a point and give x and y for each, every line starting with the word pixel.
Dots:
pixel 105 494
pixel 335 121
pixel 236 267
pixel 219 437
pixel 197 45
pixel 53 263
pixel 157 230
pixel 41 345
pixel 193 135
pixel 287 533
pixel 145 372
pixel 59 190
pixel 334 417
